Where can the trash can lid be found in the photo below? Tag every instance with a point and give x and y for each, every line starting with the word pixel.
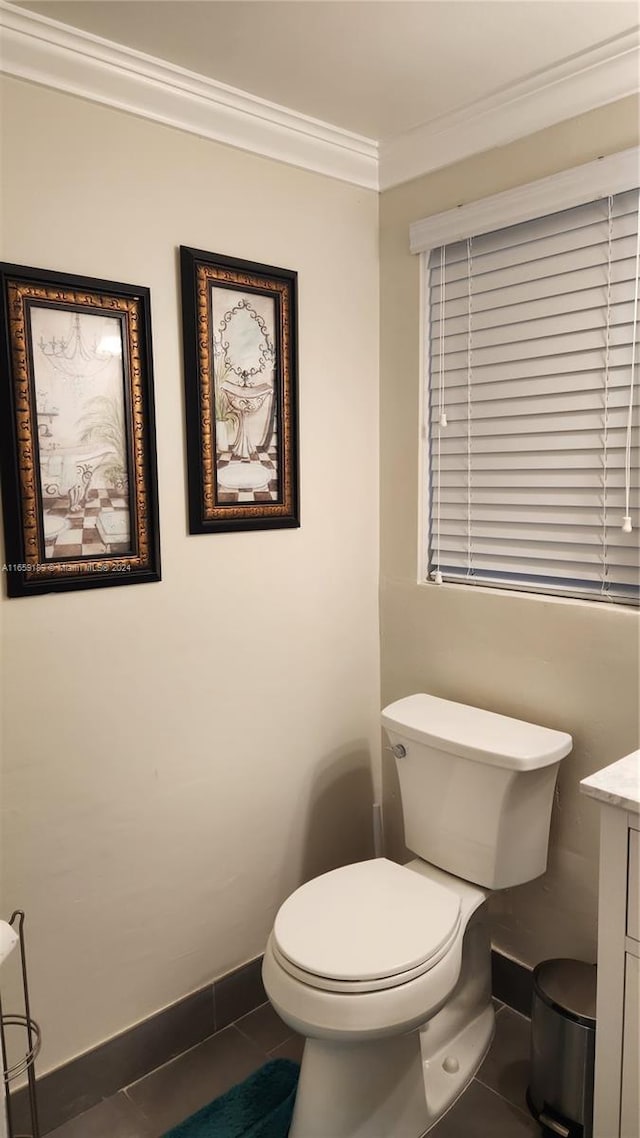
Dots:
pixel 569 987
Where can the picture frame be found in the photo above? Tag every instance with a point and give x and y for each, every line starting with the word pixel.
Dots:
pixel 77 432
pixel 241 393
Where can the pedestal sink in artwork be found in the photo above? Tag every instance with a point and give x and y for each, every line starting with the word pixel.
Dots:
pixel 245 471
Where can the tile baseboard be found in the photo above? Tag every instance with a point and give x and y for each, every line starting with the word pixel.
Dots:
pixel 85 1081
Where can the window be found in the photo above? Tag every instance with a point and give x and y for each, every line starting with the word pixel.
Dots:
pixel 532 436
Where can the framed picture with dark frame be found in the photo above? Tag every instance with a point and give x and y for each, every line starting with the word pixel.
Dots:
pixel 240 358
pixel 79 483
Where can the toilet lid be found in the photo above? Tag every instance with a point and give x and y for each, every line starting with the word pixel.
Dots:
pixel 366 922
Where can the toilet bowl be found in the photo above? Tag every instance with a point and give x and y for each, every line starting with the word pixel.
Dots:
pixel 406 931
pixel 384 968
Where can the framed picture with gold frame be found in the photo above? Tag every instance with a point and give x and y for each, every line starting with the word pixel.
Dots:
pixel 240 356
pixel 79 483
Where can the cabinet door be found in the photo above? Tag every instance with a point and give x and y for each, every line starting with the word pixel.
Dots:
pixel 630 1115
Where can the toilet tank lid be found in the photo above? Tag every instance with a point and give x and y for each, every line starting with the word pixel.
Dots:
pixel 474 733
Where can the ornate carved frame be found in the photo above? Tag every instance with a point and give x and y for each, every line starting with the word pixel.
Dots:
pixel 27 570
pixel 200 272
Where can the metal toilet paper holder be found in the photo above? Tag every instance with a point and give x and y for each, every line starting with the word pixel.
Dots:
pixel 32 1037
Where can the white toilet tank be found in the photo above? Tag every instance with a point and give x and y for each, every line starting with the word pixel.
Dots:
pixel 477 788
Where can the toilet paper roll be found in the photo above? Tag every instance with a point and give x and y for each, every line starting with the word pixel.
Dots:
pixel 8 939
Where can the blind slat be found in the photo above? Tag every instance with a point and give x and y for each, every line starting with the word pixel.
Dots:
pixel 540 345
pixel 545 325
pixel 578 382
pixel 547 365
pixel 541 551
pixel 538 444
pixel 502 315
pixel 583 245
pixel 575 519
pixel 572 422
pixel 548 534
pixel 560 570
pixel 589 264
pixel 530 405
pixel 545 288
pixel 558 461
pixel 508 498
pixel 502 480
pixel 615 593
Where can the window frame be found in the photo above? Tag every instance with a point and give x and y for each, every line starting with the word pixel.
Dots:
pixel 578 185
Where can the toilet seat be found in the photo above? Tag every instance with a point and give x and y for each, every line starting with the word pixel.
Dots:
pixel 365 927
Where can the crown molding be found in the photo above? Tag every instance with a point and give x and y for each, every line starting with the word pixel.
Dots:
pixel 612 174
pixel 592 79
pixel 56 55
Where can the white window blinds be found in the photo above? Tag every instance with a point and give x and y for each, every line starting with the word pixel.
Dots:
pixel 533 398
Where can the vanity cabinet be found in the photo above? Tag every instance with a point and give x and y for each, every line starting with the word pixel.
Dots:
pixel 616 1104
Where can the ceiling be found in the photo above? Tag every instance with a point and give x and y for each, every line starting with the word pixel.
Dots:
pixel 374 67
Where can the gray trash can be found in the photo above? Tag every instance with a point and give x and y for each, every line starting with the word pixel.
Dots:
pixel 563 1034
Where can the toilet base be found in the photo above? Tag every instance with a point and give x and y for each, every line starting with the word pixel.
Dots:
pixel 386 1088
pixel 400 1085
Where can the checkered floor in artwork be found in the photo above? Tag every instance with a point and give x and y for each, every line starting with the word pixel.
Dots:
pixel 267 457
pixel 80 538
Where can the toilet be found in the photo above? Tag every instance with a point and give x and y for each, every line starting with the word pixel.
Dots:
pixel 385 968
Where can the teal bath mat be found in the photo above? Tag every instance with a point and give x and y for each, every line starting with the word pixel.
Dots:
pixel 260 1107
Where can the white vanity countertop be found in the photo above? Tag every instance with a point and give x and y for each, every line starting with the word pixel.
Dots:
pixel 618 784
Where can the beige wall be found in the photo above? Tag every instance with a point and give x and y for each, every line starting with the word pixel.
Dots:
pixel 178 756
pixel 564 664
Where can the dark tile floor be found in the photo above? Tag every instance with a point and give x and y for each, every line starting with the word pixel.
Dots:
pixel 493 1106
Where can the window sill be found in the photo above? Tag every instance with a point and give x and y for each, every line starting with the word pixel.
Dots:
pixel 530 595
